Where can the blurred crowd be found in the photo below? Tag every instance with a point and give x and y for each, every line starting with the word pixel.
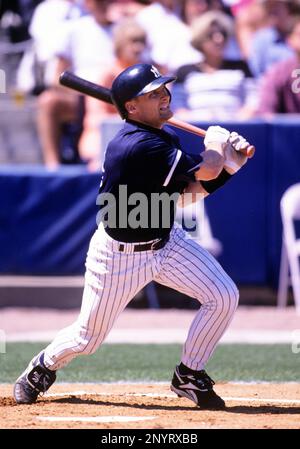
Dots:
pixel 233 59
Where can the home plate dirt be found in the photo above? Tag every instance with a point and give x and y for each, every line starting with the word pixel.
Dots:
pixel 152 406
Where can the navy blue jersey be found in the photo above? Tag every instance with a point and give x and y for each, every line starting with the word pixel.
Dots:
pixel 144 172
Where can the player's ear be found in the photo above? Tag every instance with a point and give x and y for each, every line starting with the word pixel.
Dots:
pixel 130 106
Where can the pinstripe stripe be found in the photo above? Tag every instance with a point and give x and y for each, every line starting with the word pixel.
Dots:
pixel 137 274
pixel 118 308
pixel 145 268
pixel 128 291
pixel 98 328
pixel 141 285
pixel 114 308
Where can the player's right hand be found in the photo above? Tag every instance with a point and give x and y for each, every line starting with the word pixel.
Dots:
pixel 234 158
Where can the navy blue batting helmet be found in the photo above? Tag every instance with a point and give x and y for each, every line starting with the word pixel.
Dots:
pixel 134 81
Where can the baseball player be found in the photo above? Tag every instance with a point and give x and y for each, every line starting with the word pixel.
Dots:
pixel 134 245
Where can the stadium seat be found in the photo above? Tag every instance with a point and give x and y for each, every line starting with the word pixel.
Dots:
pixel 290 252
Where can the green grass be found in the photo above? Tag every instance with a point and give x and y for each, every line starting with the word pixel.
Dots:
pixel 112 363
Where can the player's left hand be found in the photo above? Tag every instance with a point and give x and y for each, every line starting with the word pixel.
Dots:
pixel 215 139
pixel 234 158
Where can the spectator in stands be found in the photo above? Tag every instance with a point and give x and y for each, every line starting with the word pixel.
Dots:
pixel 250 16
pixel 268 44
pixel 168 36
pixel 17 29
pixel 35 71
pixel 280 86
pixel 85 49
pixel 215 87
pixel 191 9
pixel 121 9
pixel 130 47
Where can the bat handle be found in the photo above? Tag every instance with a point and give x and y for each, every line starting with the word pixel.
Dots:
pixel 249 151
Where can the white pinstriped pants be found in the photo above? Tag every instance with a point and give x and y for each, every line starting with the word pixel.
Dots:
pixel 113 278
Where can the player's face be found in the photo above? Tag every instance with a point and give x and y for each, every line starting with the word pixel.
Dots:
pixel 152 108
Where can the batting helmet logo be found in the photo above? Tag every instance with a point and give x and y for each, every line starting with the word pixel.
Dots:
pixel 134 81
pixel 155 72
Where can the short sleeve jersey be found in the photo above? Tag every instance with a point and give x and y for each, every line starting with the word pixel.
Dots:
pixel 144 172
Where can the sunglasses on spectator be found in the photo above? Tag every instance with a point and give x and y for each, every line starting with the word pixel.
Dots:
pixel 212 35
pixel 137 39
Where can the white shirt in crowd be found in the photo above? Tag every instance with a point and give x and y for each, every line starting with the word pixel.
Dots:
pixel 87 45
pixel 168 37
pixel 47 16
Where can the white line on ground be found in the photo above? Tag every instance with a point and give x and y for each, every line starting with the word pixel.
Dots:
pixel 96 419
pixel 72 393
pixel 269 401
pixel 172 395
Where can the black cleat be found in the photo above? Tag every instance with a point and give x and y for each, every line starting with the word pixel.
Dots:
pixel 36 379
pixel 198 387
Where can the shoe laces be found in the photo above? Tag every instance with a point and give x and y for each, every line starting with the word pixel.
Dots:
pixel 203 380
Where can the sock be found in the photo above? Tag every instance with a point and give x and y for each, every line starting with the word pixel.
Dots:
pixel 183 369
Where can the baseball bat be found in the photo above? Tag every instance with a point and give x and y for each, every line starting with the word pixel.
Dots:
pixel 102 93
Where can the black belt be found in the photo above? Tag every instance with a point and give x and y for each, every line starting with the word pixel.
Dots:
pixel 147 246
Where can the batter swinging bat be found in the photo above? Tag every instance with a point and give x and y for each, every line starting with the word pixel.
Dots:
pixel 83 86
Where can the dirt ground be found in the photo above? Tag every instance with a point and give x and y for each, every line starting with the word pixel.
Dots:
pixel 144 406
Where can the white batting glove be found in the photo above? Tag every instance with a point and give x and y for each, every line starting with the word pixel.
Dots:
pixel 216 138
pixel 234 159
pixel 238 142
